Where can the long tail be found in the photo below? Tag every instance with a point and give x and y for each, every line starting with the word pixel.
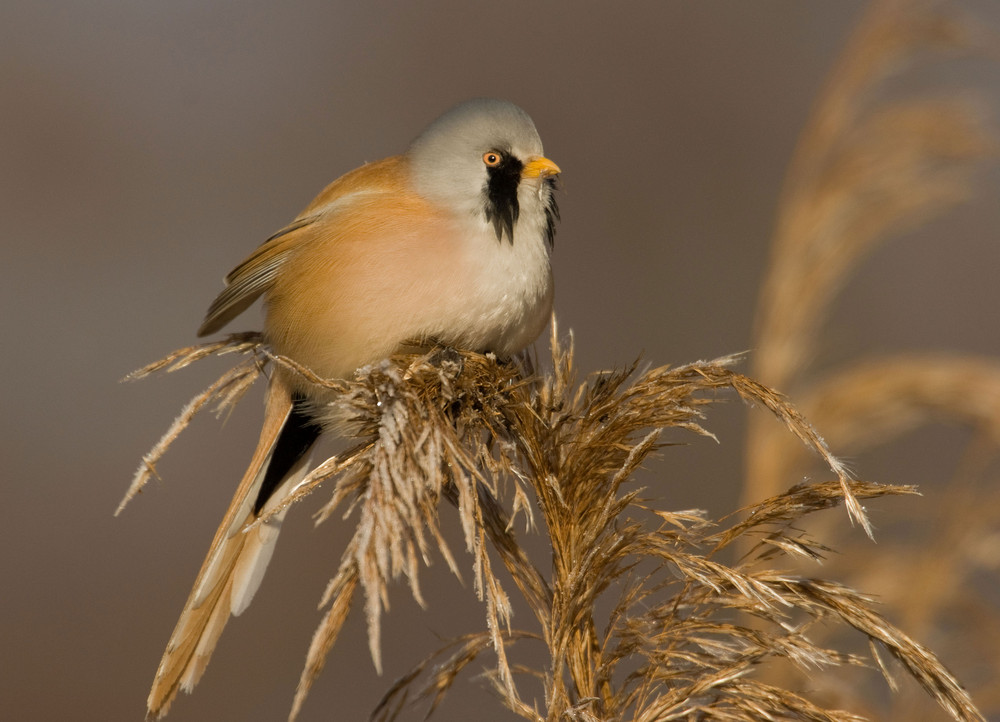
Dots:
pixel 236 561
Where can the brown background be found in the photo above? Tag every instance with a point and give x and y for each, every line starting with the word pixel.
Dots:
pixel 146 147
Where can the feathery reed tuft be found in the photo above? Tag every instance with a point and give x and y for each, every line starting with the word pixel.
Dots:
pixel 637 614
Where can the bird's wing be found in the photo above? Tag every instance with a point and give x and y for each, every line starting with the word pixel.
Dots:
pixel 257 273
pixel 234 566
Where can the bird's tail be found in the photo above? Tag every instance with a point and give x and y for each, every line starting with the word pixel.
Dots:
pixel 236 561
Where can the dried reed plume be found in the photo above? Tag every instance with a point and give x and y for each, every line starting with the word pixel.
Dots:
pixel 683 633
pixel 867 170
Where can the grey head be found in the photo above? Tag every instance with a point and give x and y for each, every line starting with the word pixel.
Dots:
pixel 484 159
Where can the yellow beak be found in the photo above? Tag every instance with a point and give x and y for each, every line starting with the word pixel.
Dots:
pixel 539 167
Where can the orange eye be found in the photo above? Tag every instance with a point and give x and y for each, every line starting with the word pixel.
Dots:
pixel 492 158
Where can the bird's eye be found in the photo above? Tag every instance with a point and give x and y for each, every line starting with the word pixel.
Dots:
pixel 492 158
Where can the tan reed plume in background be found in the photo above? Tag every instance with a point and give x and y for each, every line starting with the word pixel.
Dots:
pixel 871 166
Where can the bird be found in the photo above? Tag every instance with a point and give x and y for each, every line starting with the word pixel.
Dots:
pixel 448 243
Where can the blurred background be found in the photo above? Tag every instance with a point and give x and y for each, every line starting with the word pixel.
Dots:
pixel 146 147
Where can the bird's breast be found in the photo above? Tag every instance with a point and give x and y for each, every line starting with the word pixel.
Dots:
pixel 384 272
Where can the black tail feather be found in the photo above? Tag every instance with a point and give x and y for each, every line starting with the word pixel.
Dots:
pixel 297 437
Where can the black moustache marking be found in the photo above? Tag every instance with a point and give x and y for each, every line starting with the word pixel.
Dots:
pixel 551 213
pixel 501 205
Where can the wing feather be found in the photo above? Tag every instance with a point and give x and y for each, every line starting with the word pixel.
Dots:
pixel 256 274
